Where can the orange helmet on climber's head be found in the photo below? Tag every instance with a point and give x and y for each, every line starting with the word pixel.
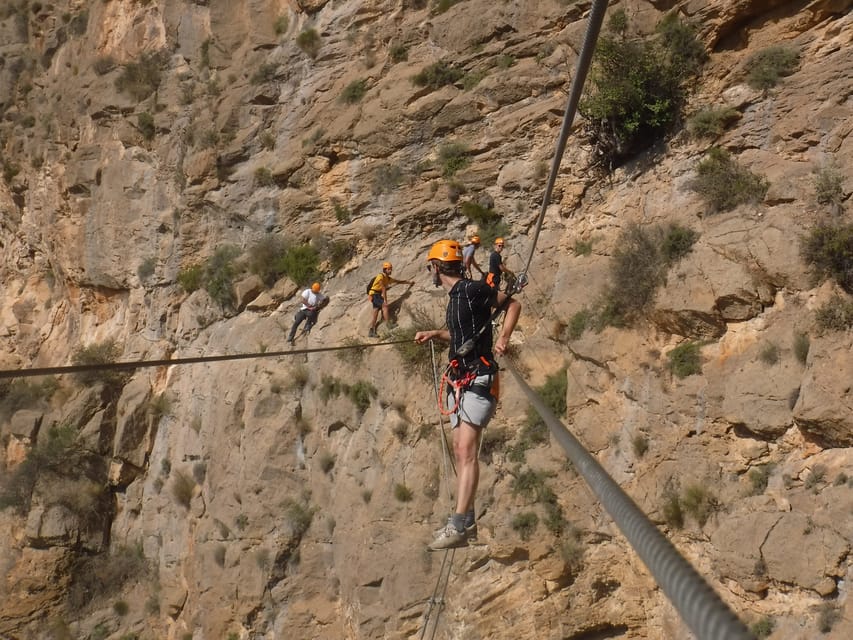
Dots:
pixel 387 266
pixel 475 240
pixel 445 256
pixel 315 287
pixel 499 242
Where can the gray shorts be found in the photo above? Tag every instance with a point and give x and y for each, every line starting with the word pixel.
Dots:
pixel 475 407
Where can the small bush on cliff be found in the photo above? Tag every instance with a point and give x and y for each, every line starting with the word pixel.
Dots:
pixel 21 393
pixel 309 41
pixel 710 122
pixel 640 264
pixel 525 524
pixel 354 91
pixel 219 274
pixel 140 79
pixel 99 353
pixel 835 315
pixel 828 186
pixel 637 86
pixel 52 451
pixel 685 360
pixel 768 66
pixel 829 250
pixel 361 393
pixel 724 184
pixel 104 575
pixel 437 75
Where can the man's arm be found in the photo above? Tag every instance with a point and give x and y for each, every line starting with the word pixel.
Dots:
pixel 513 311
pixel 424 336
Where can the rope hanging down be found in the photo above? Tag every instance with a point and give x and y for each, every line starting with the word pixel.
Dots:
pixel 139 364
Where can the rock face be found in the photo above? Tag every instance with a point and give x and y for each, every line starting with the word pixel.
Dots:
pixel 151 153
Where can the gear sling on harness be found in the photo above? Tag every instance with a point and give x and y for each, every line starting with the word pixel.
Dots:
pixel 461 381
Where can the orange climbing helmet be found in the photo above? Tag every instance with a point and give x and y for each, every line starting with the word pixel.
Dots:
pixel 499 242
pixel 475 240
pixel 387 266
pixel 445 251
pixel 315 287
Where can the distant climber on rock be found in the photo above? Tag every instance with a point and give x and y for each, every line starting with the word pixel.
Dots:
pixel 312 301
pixel 469 260
pixel 496 266
pixel 377 292
pixel 471 377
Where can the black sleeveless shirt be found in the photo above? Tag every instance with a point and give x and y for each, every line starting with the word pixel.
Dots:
pixel 469 310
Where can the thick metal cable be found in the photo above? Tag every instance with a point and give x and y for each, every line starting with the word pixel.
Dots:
pixel 708 617
pixel 596 17
pixel 139 364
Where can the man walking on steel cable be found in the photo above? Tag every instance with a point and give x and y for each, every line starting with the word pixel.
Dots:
pixel 469 311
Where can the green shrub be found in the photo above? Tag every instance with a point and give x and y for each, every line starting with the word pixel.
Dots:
pixel 361 393
pixel 677 242
pixel 309 41
pixel 437 75
pixel 768 66
pixel 758 478
pixel 145 121
pixel 264 73
pixel 763 627
pixel 330 387
pixel 535 431
pixel 685 360
pixel 105 352
pixel 698 503
pixel 386 178
pixel 583 247
pixel 403 493
pixel 326 461
pixel 354 91
pixel 219 274
pixel 342 213
pixel 478 214
pixel 636 86
pixel 492 230
pixel 191 278
pixel 835 315
pixel 103 65
pixel 264 177
pixel 802 345
pixel 769 353
pixel 121 608
pixel 453 157
pixel 579 322
pixel 300 263
pixel 711 122
pixel 829 250
pixel 530 484
pixel 146 268
pixel 104 575
pixel 828 186
pixel 298 516
pixel 672 512
pixel 640 444
pixel 140 79
pixel 52 452
pixel 724 184
pixel 636 272
pixel 281 24
pixel 398 53
pixel 525 524
pixel 264 258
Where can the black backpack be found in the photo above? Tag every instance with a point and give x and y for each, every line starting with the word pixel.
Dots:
pixel 370 284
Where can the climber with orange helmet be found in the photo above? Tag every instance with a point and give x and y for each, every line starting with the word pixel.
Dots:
pixel 471 377
pixel 468 259
pixel 497 266
pixel 312 302
pixel 377 292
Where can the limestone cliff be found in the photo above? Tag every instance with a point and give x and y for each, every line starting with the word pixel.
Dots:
pixel 151 149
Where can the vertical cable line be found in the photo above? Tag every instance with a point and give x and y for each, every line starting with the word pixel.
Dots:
pixel 596 17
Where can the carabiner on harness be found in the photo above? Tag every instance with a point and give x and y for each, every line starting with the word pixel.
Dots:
pixel 457 383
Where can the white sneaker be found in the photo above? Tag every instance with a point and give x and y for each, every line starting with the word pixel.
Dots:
pixel 449 538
